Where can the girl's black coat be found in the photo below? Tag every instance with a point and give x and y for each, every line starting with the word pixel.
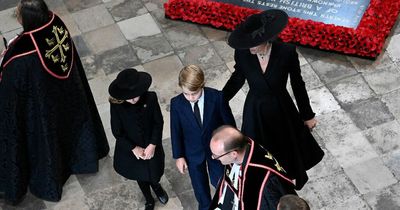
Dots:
pixel 134 125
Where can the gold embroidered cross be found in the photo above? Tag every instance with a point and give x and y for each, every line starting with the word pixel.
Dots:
pixel 58 45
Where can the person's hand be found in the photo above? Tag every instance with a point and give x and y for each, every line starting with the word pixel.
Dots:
pixel 149 151
pixel 138 152
pixel 311 123
pixel 181 165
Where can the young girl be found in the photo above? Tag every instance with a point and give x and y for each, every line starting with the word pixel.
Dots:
pixel 137 123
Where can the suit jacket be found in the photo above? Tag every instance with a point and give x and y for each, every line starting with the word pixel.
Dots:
pixel 189 140
pixel 134 125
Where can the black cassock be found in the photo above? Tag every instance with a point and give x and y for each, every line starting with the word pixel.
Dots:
pixel 50 127
pixel 270 116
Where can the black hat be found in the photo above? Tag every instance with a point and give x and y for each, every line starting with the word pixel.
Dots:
pixel 258 28
pixel 129 84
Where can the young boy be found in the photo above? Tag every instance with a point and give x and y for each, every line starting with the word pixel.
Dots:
pixel 195 113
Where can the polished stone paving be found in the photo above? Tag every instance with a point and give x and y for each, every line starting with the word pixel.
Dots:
pixel 357 102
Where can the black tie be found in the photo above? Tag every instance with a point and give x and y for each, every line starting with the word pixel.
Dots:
pixel 197 113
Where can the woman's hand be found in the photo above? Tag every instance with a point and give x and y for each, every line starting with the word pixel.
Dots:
pixel 138 152
pixel 149 151
pixel 311 123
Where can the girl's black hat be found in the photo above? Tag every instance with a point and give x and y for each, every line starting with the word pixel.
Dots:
pixel 129 84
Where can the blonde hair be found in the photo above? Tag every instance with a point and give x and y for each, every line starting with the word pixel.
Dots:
pixel 114 100
pixel 191 77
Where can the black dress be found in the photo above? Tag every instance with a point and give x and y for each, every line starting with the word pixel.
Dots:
pixel 134 125
pixel 49 127
pixel 270 116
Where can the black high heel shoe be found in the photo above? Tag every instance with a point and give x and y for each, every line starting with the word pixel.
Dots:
pixel 160 193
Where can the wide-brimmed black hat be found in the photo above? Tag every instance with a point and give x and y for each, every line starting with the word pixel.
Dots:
pixel 258 28
pixel 129 84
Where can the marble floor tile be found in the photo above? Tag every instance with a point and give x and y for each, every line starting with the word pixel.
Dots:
pixel 354 148
pixel 154 4
pixel 393 48
pixel 365 179
pixel 81 46
pixel 163 22
pixel 185 35
pixel 71 25
pixel 93 18
pixel 99 87
pixel 97 44
pixel 224 50
pixel 351 89
pixel 369 113
pixel 89 65
pixel 125 9
pixel 8 20
pixel 330 190
pixel 385 137
pixel 312 55
pixel 143 25
pixel 327 166
pixel 356 101
pixel 383 61
pixel 76 5
pixel 217 76
pixel 149 48
pixel 117 59
pixel 354 203
pixel 189 201
pixel 388 198
pixel 383 80
pixel 104 179
pixel 204 56
pixel 322 101
pixel 7 4
pixel 310 77
pixel 213 34
pixel 333 68
pixel 391 161
pixel 392 101
pixel 331 131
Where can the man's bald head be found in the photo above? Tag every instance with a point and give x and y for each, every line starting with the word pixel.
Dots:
pixel 229 138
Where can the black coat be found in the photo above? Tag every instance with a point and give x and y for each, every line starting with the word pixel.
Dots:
pixel 49 127
pixel 270 116
pixel 134 125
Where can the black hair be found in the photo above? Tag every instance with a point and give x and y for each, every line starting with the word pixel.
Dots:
pixel 33 14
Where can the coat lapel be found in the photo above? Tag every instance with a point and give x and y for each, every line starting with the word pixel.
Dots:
pixel 257 71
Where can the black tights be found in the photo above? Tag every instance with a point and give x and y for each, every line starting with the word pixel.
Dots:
pixel 145 187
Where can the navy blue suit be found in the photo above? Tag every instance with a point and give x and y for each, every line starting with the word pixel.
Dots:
pixel 192 142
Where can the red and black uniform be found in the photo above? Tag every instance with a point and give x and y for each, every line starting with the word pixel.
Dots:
pixel 260 184
pixel 49 127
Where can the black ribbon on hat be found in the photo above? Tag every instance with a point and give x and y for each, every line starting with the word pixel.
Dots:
pixel 265 19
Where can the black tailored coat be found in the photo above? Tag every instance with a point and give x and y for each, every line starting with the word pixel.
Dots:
pixel 134 125
pixel 270 116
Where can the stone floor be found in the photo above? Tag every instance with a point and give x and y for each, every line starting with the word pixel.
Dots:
pixel 357 102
